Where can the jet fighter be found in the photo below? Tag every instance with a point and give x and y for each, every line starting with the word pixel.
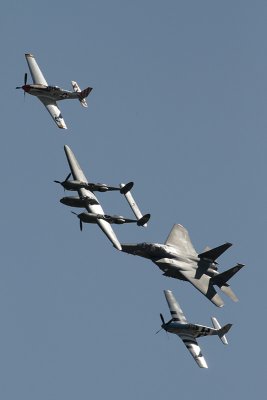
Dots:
pixel 178 259
pixel 190 332
pixel 87 199
pixel 49 95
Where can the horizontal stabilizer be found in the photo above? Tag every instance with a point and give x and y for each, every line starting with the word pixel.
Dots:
pixel 215 253
pixel 224 277
pixel 229 292
pixel 131 202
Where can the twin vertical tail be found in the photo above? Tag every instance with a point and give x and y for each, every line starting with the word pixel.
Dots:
pixel 82 93
pixel 221 330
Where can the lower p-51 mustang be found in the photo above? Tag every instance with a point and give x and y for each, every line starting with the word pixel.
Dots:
pixel 87 199
pixel 178 259
pixel 190 332
pixel 49 95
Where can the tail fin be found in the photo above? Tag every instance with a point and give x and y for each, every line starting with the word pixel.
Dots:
pixel 223 278
pixel 215 253
pixel 143 220
pixel 221 330
pixel 82 94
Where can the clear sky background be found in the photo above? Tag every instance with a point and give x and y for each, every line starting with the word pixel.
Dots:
pixel 178 106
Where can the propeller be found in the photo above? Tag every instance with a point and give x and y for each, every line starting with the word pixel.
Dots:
pixel 164 323
pixel 25 82
pixel 62 183
pixel 81 224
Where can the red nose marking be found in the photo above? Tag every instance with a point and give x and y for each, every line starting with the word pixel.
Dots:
pixel 26 88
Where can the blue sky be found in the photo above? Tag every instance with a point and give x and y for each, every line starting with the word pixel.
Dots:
pixel 179 107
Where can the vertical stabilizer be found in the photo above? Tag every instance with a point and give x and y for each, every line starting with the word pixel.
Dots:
pixel 221 330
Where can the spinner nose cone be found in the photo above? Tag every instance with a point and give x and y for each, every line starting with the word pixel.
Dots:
pixel 26 88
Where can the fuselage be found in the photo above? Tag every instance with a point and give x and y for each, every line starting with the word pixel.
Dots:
pixel 191 329
pixel 53 92
pixel 169 259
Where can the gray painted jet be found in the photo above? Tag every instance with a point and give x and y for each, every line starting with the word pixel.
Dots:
pixel 178 259
pixel 49 95
pixel 190 332
pixel 87 199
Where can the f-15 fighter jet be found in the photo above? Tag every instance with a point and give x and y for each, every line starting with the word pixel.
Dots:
pixel 190 332
pixel 49 95
pixel 87 199
pixel 178 259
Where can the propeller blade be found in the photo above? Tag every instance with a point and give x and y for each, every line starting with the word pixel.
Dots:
pixel 68 177
pixel 57 182
pixel 162 319
pixel 158 331
pixel 25 78
pixel 81 225
pixel 74 213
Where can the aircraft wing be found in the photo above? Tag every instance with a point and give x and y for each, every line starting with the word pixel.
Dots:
pixel 179 238
pixel 204 285
pixel 175 310
pixel 54 111
pixel 95 208
pixel 36 73
pixel 195 350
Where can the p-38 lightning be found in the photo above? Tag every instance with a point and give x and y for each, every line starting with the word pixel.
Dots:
pixel 87 199
pixel 178 259
pixel 49 95
pixel 190 332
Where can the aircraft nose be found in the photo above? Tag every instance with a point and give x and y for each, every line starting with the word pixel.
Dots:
pixel 128 248
pixel 26 88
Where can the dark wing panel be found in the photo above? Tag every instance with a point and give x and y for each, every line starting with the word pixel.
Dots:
pixel 204 285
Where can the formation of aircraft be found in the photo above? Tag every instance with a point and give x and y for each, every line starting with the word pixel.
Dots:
pixel 49 95
pixel 87 199
pixel 178 259
pixel 189 332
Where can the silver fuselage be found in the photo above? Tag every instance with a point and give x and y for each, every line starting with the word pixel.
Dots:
pixel 169 259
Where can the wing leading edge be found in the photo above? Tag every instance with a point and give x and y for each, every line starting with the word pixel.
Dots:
pixel 175 310
pixel 78 174
pixel 36 73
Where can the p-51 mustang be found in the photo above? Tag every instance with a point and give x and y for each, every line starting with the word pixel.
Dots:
pixel 178 259
pixel 49 95
pixel 87 199
pixel 190 332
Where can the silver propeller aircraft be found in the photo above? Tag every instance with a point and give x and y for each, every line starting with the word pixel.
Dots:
pixel 178 259
pixel 87 199
pixel 190 332
pixel 49 95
